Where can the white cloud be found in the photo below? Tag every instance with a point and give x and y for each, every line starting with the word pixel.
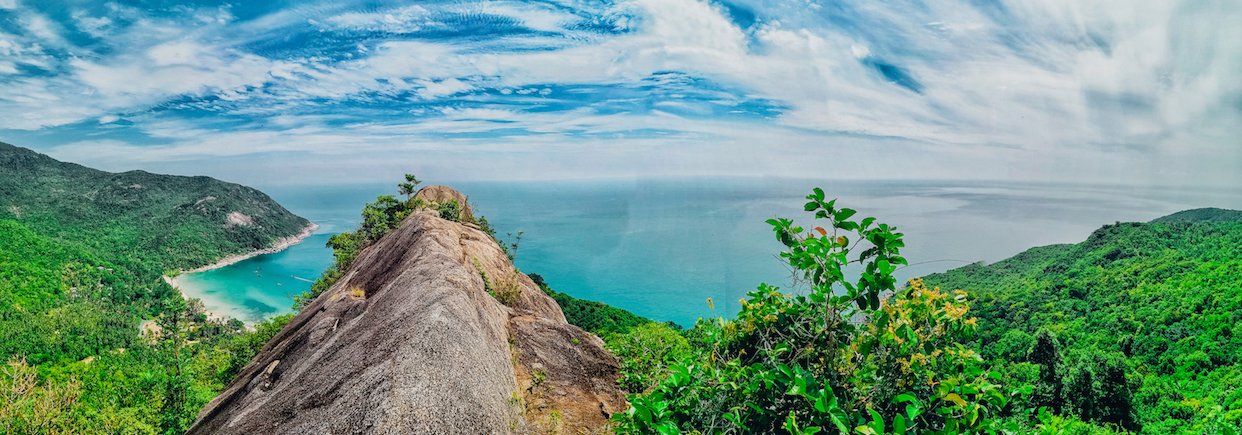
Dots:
pixel 171 70
pixel 8 4
pixel 152 61
pixel 1034 87
pixel 433 89
pixel 43 28
pixel 98 27
pixel 399 20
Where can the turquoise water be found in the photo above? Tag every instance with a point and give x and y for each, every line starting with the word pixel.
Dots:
pixel 662 248
pixel 264 286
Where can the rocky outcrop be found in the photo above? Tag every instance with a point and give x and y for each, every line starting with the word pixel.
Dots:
pixel 437 194
pixel 415 339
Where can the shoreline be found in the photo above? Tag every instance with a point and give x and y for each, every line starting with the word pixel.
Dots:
pixel 281 245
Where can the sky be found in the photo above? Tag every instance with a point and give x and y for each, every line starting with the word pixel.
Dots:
pixel 301 92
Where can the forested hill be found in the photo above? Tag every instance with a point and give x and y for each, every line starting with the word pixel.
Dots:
pixel 1139 326
pixel 174 222
pixel 92 339
pixel 1202 215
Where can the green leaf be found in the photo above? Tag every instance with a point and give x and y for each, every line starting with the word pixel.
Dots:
pixel 913 411
pixel 845 213
pixel 826 402
pixel 877 421
pixel 884 267
pixel 899 424
pixel 668 428
pixel 905 397
pixel 840 422
pixel 819 194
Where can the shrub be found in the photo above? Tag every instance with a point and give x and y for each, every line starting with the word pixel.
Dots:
pixel 646 351
pixel 508 288
pixel 849 355
pixel 450 210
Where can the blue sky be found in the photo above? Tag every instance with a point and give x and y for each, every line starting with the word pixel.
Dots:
pixel 1145 93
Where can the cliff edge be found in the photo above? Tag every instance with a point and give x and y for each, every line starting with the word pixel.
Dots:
pixel 431 330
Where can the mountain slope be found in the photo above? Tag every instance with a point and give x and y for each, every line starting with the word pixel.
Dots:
pixel 414 338
pixel 1202 215
pixel 1160 300
pixel 173 221
pixel 82 252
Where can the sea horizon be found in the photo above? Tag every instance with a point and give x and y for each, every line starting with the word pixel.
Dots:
pixel 662 247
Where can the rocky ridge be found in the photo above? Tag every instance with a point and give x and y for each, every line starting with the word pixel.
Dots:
pixel 415 338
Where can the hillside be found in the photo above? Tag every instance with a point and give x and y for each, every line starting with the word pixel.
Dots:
pixel 429 329
pixel 1202 215
pixel 1146 317
pixel 138 217
pixel 81 255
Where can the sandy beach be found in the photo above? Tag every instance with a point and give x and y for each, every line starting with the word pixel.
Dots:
pixel 280 245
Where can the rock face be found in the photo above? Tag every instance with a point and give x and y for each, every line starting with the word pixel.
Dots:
pixel 411 341
pixel 441 194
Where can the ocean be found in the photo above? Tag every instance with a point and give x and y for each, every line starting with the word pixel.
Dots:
pixel 661 248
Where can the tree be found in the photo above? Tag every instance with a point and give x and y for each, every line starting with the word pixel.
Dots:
pixel 28 406
pixel 410 186
pixel 1114 401
pixel 1047 354
pixel 174 416
pixel 1096 389
pixel 1080 392
pixel 380 216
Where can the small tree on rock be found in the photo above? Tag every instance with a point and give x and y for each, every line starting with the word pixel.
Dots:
pixel 410 186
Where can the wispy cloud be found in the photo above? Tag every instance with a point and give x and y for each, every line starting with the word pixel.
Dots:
pixel 1064 90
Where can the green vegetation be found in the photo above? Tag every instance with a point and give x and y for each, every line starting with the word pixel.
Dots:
pixel 1139 327
pixel 844 356
pixel 594 317
pixel 1136 329
pixel 646 348
pixel 81 254
pixel 450 210
pixel 141 220
pixel 646 352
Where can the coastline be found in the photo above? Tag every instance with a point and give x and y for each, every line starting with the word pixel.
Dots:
pixel 280 245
